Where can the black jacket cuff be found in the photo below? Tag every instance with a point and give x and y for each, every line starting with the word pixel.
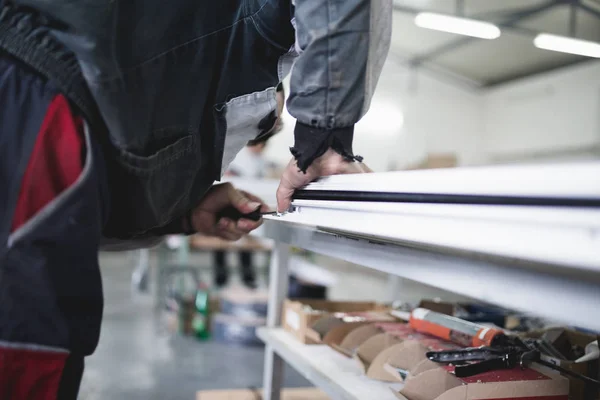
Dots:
pixel 311 143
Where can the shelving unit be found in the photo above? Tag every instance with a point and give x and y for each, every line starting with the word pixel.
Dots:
pixel 526 238
pixel 338 376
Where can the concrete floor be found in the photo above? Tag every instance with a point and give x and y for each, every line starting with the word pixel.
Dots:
pixel 138 359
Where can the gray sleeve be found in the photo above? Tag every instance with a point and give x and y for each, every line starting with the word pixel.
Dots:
pixel 342 45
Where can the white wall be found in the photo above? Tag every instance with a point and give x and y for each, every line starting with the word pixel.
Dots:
pixel 549 117
pixel 439 116
pixel 411 115
pixel 552 116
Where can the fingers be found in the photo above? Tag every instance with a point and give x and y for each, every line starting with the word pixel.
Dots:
pixel 232 230
pixel 244 203
pixel 330 163
pixel 247 225
pixel 204 216
pixel 223 195
pixel 227 229
pixel 263 208
pixel 284 196
pixel 365 168
pixel 286 189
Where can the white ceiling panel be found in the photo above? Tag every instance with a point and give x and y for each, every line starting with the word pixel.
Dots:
pixel 488 62
pixel 557 21
pixel 508 57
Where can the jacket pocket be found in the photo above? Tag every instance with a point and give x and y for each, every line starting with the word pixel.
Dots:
pixel 148 189
pixel 238 121
pixel 147 165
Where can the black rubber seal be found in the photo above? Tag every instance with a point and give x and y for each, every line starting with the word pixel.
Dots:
pixel 435 198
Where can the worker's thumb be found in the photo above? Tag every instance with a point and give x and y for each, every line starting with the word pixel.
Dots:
pixel 284 197
pixel 241 202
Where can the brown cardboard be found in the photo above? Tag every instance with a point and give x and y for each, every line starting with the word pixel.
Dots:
pixel 404 356
pixel 576 338
pixel 424 365
pixel 429 385
pixel 300 314
pixel 440 384
pixel 395 362
pixel 179 316
pixel 325 324
pixel 358 336
pixel 378 368
pixel 341 323
pixel 368 352
pixel 247 394
pixel 337 334
pixel 438 306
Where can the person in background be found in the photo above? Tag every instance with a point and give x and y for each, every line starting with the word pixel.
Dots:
pixel 118 117
pixel 249 163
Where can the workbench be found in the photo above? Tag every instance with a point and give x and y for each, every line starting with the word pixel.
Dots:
pixel 523 237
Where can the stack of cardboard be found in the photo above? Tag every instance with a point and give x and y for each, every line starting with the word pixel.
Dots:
pixel 565 341
pixel 317 321
pixel 526 384
pixel 387 349
pixel 393 352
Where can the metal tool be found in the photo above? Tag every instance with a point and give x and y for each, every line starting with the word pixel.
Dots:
pixel 520 352
pixel 235 214
pixel 488 349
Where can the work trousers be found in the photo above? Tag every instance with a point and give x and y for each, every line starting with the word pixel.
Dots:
pixel 53 199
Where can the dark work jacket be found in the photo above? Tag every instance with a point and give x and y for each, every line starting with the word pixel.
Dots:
pixel 175 88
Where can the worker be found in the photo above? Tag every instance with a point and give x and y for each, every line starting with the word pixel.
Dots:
pixel 248 163
pixel 117 118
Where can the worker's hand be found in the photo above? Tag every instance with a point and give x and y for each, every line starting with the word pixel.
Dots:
pixel 204 216
pixel 330 163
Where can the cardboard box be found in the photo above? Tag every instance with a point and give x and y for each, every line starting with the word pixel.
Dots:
pixel 357 336
pixel 178 315
pixel 565 338
pixel 410 358
pixel 299 315
pixel 392 351
pixel 332 328
pixel 248 394
pixel 514 384
pixel 373 354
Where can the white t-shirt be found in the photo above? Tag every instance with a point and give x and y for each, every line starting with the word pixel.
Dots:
pixel 248 165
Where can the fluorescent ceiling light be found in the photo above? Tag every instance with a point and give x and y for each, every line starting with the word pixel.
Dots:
pixel 461 26
pixel 565 44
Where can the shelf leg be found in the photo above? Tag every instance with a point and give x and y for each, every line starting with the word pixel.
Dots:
pixel 278 287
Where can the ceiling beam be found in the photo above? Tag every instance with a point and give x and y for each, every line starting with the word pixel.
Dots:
pixel 491 14
pixel 573 18
pixel 589 10
pixel 460 8
pixel 508 21
pixel 438 73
